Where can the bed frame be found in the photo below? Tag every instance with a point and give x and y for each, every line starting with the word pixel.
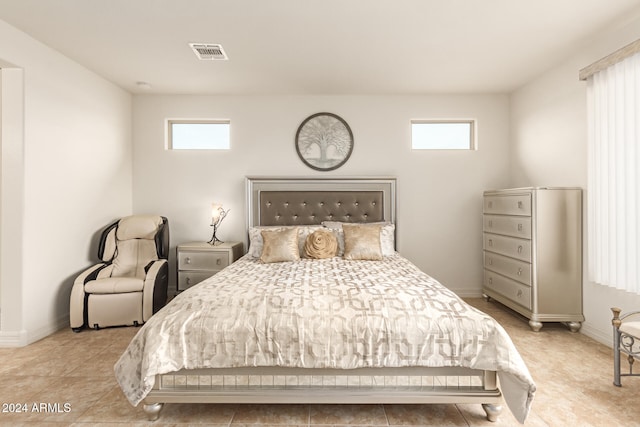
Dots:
pixel 303 201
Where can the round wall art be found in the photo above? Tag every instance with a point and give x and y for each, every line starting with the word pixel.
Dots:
pixel 324 141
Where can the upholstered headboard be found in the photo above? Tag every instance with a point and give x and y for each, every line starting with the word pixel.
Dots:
pixel 304 201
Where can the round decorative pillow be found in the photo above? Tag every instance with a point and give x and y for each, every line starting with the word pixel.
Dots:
pixel 320 244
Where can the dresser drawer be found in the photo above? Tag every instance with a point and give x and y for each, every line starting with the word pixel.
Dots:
pixel 195 260
pixel 508 205
pixel 513 268
pixel 186 279
pixel 509 246
pixel 509 288
pixel 508 225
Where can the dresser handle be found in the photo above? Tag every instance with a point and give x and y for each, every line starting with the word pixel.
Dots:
pixel 490 261
pixel 520 249
pixel 187 260
pixel 519 293
pixel 490 242
pixel 188 280
pixel 519 205
pixel 490 223
pixel 490 280
pixel 519 272
pixel 519 227
pixel 490 204
pixel 218 261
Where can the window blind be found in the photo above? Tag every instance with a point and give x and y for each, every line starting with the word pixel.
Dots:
pixel 613 98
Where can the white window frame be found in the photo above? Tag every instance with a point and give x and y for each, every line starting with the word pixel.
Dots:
pixel 169 133
pixel 472 134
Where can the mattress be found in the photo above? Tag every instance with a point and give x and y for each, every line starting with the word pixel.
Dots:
pixel 330 313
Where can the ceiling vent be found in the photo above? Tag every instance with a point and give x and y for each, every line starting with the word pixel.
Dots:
pixel 209 52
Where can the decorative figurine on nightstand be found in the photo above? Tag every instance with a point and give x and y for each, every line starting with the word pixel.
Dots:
pixel 217 215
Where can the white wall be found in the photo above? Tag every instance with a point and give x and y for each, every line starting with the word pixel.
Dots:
pixel 76 169
pixel 439 192
pixel 11 197
pixel 549 148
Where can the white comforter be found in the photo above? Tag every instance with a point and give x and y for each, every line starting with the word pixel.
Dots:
pixel 327 313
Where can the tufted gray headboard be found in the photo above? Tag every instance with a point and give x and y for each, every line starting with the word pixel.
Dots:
pixel 304 201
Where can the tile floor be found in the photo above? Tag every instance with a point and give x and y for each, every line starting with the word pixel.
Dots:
pixel 71 374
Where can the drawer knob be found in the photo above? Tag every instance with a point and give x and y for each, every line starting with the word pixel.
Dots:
pixel 218 261
pixel 490 261
pixel 490 280
pixel 519 205
pixel 519 227
pixel 187 260
pixel 490 223
pixel 520 249
pixel 490 242
pixel 188 280
pixel 519 272
pixel 519 293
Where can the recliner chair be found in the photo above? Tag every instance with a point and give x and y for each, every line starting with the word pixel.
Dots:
pixel 130 284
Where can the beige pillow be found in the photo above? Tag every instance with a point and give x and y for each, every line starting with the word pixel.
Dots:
pixel 321 244
pixel 255 238
pixel 362 242
pixel 280 245
pixel 387 235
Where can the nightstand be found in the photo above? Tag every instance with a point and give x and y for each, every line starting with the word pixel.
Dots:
pixel 199 260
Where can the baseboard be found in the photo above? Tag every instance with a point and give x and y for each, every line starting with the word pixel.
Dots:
pixel 45 331
pixel 24 338
pixel 603 337
pixel 13 338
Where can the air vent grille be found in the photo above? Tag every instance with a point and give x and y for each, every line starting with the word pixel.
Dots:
pixel 209 52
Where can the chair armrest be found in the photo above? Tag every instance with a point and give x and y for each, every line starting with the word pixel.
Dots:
pixel 76 300
pixel 619 318
pixel 156 282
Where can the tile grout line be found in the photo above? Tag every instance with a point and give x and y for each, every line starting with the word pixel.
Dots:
pixel 462 415
pixel 386 417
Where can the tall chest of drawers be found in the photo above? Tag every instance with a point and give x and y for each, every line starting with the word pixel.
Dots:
pixel 532 248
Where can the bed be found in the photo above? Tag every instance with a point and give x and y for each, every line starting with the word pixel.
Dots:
pixel 359 325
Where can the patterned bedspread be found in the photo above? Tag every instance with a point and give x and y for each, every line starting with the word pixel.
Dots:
pixel 327 313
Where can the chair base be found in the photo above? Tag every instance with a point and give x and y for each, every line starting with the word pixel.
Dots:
pixel 106 310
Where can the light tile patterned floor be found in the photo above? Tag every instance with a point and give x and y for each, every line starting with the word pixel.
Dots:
pixel 72 375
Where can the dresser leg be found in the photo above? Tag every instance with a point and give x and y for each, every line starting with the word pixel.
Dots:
pixel 535 325
pixel 492 411
pixel 153 410
pixel 486 297
pixel 574 326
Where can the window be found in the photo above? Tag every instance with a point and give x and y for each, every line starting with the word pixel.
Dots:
pixel 198 134
pixel 443 134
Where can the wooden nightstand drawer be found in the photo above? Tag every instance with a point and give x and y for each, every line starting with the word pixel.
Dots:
pixel 186 279
pixel 212 260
